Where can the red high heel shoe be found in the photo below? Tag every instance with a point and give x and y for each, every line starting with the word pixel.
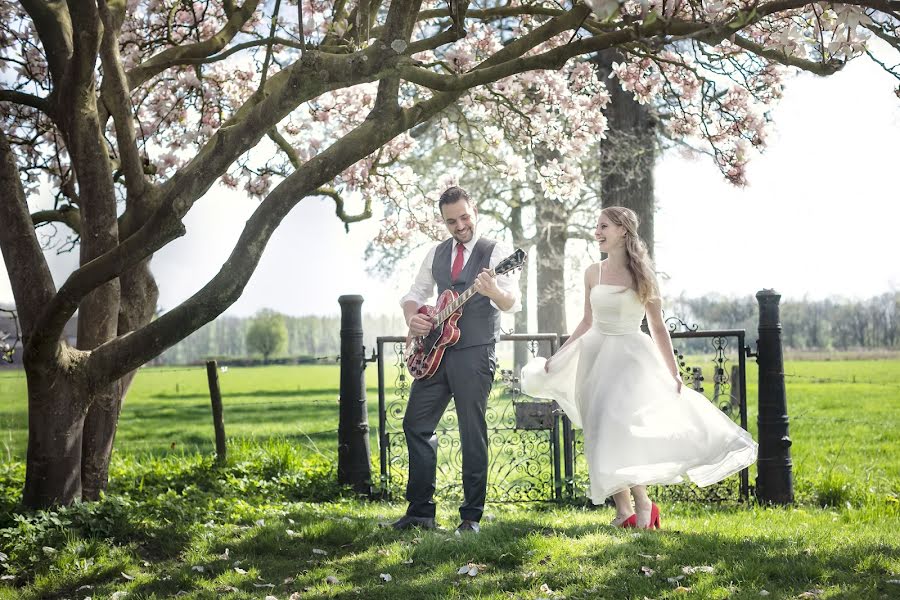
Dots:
pixel 627 523
pixel 654 517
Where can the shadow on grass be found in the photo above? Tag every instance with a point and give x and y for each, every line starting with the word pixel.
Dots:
pixel 519 555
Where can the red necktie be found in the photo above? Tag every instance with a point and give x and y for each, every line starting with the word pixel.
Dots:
pixel 457 263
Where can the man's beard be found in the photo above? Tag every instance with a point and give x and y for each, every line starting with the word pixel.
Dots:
pixel 470 235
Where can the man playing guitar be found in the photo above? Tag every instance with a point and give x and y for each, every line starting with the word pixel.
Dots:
pixel 466 371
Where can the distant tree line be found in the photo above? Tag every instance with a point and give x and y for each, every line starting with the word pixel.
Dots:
pixel 308 337
pixel 829 324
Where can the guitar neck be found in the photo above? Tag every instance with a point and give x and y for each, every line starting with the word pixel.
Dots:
pixel 456 304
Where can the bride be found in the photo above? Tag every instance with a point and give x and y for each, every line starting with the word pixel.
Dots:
pixel 641 425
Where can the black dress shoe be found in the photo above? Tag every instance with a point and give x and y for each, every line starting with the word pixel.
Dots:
pixel 410 521
pixel 467 526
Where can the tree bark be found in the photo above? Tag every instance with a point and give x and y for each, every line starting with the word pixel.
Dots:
pixel 628 154
pixel 138 305
pixel 56 409
pixel 551 234
pixel 520 349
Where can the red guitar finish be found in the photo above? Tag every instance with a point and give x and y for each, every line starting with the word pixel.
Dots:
pixel 428 350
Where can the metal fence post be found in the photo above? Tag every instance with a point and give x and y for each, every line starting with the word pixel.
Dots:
pixel 354 460
pixel 774 481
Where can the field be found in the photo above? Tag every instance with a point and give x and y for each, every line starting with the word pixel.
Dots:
pixel 174 522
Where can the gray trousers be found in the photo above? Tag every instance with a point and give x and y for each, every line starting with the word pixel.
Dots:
pixel 466 374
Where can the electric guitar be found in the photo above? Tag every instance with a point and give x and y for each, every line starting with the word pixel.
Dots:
pixel 427 350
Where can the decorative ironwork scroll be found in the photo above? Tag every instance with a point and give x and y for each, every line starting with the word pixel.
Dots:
pixel 521 463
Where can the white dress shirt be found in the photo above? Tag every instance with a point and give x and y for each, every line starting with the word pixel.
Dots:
pixel 423 286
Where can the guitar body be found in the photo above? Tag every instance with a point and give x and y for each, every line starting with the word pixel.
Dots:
pixel 428 350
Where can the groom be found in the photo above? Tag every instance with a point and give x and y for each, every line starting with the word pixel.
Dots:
pixel 467 369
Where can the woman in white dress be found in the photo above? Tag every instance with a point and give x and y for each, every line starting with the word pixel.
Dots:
pixel 641 425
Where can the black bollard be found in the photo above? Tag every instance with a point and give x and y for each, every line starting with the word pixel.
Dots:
pixel 354 461
pixel 774 481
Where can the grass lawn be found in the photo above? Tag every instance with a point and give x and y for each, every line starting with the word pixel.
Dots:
pixel 272 521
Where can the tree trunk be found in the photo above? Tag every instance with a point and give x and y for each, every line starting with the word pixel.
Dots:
pixel 628 154
pixel 551 234
pixel 52 472
pixel 138 305
pixel 520 349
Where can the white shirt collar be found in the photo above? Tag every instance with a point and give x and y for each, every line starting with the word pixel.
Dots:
pixel 469 246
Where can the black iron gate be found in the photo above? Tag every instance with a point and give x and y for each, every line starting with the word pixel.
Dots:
pixel 534 453
pixel 525 453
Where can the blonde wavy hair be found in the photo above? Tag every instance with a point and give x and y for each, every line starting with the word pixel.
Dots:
pixel 639 263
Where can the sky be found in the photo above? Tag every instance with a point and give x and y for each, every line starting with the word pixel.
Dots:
pixel 819 218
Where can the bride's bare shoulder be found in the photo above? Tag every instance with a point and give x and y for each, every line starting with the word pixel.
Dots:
pixel 592 275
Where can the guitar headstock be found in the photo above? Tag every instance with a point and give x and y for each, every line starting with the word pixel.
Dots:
pixel 514 261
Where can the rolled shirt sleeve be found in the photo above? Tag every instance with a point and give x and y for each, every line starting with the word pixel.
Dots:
pixel 423 285
pixel 508 282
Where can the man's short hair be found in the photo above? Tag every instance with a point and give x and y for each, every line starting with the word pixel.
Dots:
pixel 452 195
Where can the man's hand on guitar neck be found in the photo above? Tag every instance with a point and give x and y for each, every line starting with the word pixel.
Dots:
pixel 486 285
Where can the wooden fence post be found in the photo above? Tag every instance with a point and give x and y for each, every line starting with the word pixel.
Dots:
pixel 215 396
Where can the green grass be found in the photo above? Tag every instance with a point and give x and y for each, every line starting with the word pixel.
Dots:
pixel 168 408
pixel 170 510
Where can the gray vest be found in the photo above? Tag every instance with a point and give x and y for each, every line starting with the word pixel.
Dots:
pixel 480 321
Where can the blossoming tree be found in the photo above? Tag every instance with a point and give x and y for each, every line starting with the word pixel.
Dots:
pixel 117 116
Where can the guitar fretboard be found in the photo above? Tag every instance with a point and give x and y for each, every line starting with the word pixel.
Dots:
pixel 454 306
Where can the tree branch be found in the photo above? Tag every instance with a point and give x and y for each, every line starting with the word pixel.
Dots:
pixel 286 90
pixel 285 147
pixel 54 27
pixel 268 59
pixel 68 215
pixel 481 75
pixel 42 104
pixel 177 55
pixel 119 356
pixel 819 68
pixel 339 206
pixel 28 272
pixel 116 95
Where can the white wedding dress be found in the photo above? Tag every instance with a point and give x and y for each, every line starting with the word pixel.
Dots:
pixel 613 383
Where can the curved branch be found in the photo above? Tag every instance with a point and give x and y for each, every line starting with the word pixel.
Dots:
pixel 890 39
pixel 115 93
pixel 552 59
pixel 267 61
pixel 68 215
pixel 177 55
pixel 339 206
pixel 42 104
pixel 285 147
pixel 123 354
pixel 819 68
pixel 285 90
pixel 32 284
pixel 205 60
pixel 54 27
